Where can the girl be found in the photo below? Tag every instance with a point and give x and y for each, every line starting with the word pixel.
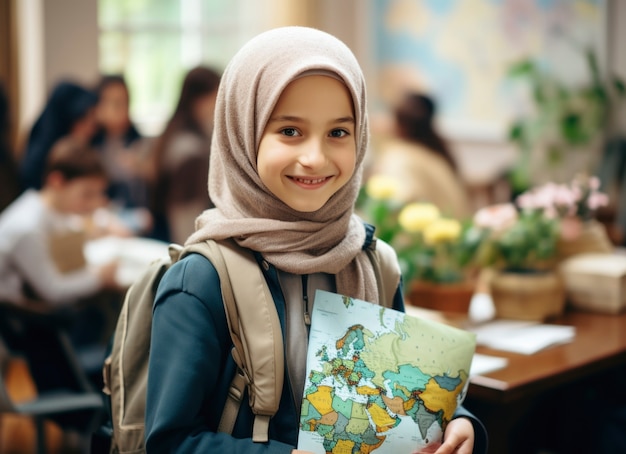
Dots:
pixel 289 142
pixel 181 154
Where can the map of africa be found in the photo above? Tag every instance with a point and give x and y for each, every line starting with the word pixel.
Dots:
pixel 378 377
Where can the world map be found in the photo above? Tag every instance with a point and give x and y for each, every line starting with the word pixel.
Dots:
pixel 459 51
pixel 378 377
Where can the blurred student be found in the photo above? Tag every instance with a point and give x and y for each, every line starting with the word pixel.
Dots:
pixel 9 177
pixel 181 158
pixel 74 183
pixel 121 147
pixel 421 160
pixel 69 111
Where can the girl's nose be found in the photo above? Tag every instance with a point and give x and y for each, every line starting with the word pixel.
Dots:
pixel 313 154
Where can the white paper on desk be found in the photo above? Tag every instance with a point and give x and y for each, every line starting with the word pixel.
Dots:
pixel 133 255
pixel 522 336
pixel 483 364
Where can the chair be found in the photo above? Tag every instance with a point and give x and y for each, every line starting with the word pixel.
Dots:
pixel 64 394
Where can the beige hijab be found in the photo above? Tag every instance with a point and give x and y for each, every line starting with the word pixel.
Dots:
pixel 329 240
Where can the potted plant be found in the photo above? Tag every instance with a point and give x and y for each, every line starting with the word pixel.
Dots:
pixel 521 250
pixel 437 254
pixel 575 204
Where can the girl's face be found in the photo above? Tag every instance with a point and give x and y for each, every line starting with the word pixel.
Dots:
pixel 204 111
pixel 308 148
pixel 112 110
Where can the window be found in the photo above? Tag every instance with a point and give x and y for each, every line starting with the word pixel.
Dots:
pixel 154 42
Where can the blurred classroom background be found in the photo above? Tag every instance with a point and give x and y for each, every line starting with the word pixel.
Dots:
pixel 459 52
pixel 520 92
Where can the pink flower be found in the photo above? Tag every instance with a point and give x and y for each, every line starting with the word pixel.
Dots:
pixel 597 200
pixel 497 217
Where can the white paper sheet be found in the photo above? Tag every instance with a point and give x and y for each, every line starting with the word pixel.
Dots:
pixel 525 337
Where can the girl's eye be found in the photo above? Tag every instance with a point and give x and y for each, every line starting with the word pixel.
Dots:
pixel 290 132
pixel 338 133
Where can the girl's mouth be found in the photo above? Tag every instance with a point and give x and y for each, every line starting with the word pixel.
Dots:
pixel 309 182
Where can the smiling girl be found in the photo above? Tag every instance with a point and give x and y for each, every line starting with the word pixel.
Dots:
pixel 289 142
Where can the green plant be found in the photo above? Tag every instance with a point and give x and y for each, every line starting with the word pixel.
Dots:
pixel 564 118
pixel 518 239
pixel 430 247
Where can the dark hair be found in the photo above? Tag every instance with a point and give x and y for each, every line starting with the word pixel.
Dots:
pixel 111 79
pixel 132 133
pixel 414 118
pixel 198 82
pixel 67 103
pixel 74 160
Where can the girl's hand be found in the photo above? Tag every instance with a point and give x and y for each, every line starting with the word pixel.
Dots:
pixel 458 439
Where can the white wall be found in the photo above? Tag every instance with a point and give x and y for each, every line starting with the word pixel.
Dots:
pixel 56 39
pixel 71 40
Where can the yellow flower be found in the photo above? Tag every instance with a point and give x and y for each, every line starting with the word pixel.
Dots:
pixel 442 230
pixel 414 217
pixel 381 187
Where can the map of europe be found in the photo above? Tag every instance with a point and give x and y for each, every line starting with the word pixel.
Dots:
pixel 378 377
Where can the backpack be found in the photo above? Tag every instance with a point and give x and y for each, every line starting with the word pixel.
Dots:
pixel 259 357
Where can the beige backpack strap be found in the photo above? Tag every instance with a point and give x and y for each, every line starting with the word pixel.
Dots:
pixel 387 270
pixel 233 402
pixel 255 331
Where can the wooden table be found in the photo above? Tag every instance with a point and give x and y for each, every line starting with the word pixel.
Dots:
pixel 534 390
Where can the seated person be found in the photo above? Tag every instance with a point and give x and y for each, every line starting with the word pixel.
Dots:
pixel 74 184
pixel 419 157
pixel 70 111
pixel 181 153
pixel 124 152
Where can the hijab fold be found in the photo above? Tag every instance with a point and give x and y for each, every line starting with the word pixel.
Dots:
pixel 329 240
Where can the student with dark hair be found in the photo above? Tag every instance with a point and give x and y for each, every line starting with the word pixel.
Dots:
pixel 69 111
pixel 122 148
pixel 419 158
pixel 74 183
pixel 181 158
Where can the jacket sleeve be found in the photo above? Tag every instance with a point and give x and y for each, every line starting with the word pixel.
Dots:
pixel 37 266
pixel 188 361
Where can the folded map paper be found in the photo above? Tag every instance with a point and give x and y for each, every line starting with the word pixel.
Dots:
pixel 378 379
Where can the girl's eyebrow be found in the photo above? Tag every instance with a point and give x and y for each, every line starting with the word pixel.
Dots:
pixel 345 120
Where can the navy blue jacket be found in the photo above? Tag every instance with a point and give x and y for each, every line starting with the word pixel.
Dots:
pixel 191 368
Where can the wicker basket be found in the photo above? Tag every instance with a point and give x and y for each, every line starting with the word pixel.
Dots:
pixel 534 296
pixel 593 238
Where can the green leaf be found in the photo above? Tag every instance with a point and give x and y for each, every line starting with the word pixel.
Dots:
pixel 523 68
pixel 619 85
